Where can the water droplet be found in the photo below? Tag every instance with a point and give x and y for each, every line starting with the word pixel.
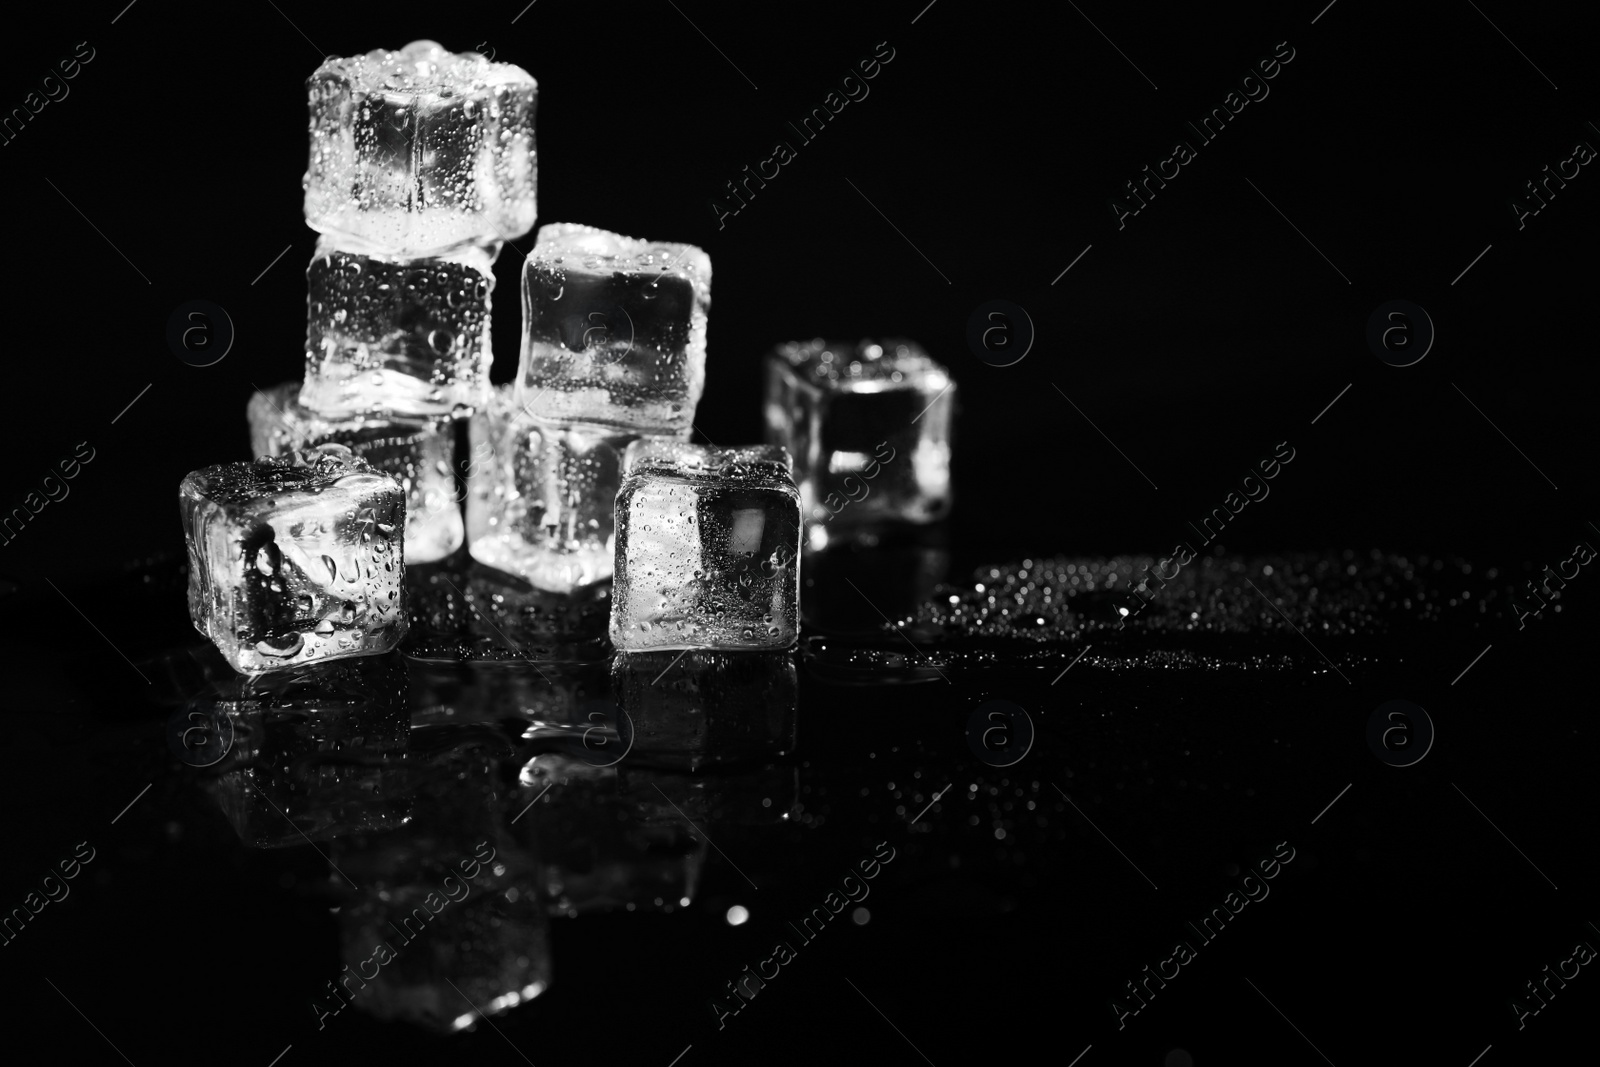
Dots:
pixel 288 647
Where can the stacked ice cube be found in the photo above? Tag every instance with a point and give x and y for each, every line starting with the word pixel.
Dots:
pixel 613 350
pixel 422 163
pixel 417 450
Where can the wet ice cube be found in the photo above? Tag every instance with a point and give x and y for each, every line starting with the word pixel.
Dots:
pixel 868 425
pixel 540 495
pixel 403 335
pixel 295 559
pixel 707 547
pixel 614 329
pixel 419 451
pixel 421 150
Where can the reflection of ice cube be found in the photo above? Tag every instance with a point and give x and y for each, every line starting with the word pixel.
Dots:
pixel 462 610
pixel 295 559
pixel 318 751
pixel 421 150
pixel 600 849
pixel 418 451
pixel 541 495
pixel 707 548
pixel 868 425
pixel 397 335
pixel 488 951
pixel 614 329
pixel 706 708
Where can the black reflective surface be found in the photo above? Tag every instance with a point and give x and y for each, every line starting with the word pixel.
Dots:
pixel 390 848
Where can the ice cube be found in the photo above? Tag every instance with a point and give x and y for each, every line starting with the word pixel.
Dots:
pixel 540 495
pixel 295 559
pixel 614 329
pixel 418 450
pixel 398 335
pixel 868 425
pixel 421 150
pixel 707 547
pixel 706 708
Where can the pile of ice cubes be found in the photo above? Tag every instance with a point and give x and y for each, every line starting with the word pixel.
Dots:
pixel 579 471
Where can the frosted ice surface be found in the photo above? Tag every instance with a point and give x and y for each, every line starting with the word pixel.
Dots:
pixel 295 559
pixel 421 150
pixel 404 335
pixel 418 451
pixel 614 329
pixel 540 495
pixel 707 548
pixel 869 427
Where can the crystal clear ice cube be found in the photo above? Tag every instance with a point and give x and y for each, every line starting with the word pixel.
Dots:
pixel 419 451
pixel 396 334
pixel 868 425
pixel 614 329
pixel 295 559
pixel 708 541
pixel 421 150
pixel 540 495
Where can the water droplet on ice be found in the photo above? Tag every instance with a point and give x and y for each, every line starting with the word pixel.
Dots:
pixel 292 644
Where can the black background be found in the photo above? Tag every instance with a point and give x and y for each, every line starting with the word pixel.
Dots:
pixel 1196 338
